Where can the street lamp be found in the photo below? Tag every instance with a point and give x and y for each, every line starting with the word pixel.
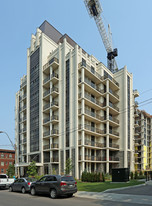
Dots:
pixel 9 139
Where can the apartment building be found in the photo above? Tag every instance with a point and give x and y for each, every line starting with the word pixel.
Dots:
pixel 7 157
pixel 71 106
pixel 143 141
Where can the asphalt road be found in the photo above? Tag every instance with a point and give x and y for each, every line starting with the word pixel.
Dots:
pixel 18 199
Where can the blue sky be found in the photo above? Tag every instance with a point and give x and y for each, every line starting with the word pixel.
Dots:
pixel 131 28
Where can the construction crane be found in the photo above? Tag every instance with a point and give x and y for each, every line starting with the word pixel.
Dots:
pixel 94 9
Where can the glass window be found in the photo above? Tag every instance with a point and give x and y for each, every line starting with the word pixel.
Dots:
pixel 10 163
pixel 2 163
pixel 2 155
pixel 10 155
pixel 2 170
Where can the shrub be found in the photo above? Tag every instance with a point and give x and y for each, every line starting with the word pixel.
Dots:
pixel 92 177
pixel 132 175
pixel 136 175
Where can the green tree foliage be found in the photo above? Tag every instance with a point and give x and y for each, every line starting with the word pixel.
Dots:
pixel 32 169
pixel 68 166
pixel 11 171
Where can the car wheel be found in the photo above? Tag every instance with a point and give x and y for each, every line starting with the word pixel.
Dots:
pixel 33 192
pixel 23 190
pixel 53 193
pixel 10 189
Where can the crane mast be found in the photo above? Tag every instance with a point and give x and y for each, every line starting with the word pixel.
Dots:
pixel 94 9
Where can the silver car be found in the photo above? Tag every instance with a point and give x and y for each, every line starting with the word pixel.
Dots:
pixel 21 185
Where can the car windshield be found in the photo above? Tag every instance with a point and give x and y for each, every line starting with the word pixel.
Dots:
pixel 67 178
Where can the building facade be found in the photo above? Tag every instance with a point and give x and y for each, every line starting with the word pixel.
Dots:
pixel 70 105
pixel 143 140
pixel 7 157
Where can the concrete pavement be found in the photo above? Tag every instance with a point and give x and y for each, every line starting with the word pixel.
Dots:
pixel 114 194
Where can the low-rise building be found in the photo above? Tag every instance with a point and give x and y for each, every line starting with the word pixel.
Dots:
pixel 7 157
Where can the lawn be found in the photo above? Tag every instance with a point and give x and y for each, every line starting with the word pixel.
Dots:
pixel 102 186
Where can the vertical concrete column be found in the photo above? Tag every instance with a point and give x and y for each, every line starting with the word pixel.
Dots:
pixel 125 119
pixel 107 128
pixel 75 125
pixel 82 118
pixel 51 152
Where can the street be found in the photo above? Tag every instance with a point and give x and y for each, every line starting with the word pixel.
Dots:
pixel 18 199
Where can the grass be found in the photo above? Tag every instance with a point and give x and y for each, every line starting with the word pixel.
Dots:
pixel 102 186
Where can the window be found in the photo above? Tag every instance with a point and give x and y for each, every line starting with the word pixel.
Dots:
pixel 10 163
pixel 6 163
pixel 10 155
pixel 2 155
pixel 2 170
pixel 2 163
pixel 51 178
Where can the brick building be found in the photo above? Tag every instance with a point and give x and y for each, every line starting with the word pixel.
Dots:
pixel 7 157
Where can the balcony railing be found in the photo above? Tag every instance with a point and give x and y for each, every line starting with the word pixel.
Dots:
pixel 46 147
pixel 114 93
pixel 55 159
pixel 46 93
pixel 54 89
pixel 112 158
pixel 92 129
pixel 113 106
pixel 90 98
pixel 90 69
pixel 46 106
pixel 92 114
pixel 55 132
pixel 95 144
pixel 114 132
pixel 54 103
pixel 113 80
pixel 55 117
pixel 114 119
pixel 54 59
pixel 47 133
pixel 46 120
pixel 114 145
pixel 54 145
pixel 54 75
pixel 94 86
pixel 46 79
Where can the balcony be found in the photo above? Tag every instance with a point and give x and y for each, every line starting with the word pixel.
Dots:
pixel 113 134
pixel 46 134
pixel 113 159
pixel 55 159
pixel 54 78
pixel 55 146
pixel 54 62
pixel 92 88
pixel 112 82
pixel 113 146
pixel 113 97
pixel 54 105
pixel 113 121
pixel 54 91
pixel 47 106
pixel 136 93
pixel 91 130
pixel 91 101
pixel 92 115
pixel 46 147
pixel 46 80
pixel 113 109
pixel 24 83
pixel 46 120
pixel 46 93
pixel 90 72
pixel 54 119
pixel 94 144
pixel 55 132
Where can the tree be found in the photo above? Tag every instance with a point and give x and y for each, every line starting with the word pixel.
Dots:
pixel 10 171
pixel 68 166
pixel 32 169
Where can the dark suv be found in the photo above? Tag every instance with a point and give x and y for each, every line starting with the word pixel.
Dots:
pixel 55 185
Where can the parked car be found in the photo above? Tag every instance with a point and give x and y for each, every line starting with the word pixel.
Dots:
pixel 5 181
pixel 55 185
pixel 21 185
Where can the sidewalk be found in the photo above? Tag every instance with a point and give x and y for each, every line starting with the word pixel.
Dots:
pixel 127 198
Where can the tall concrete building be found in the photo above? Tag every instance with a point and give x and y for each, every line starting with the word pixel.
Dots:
pixel 71 106
pixel 143 140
